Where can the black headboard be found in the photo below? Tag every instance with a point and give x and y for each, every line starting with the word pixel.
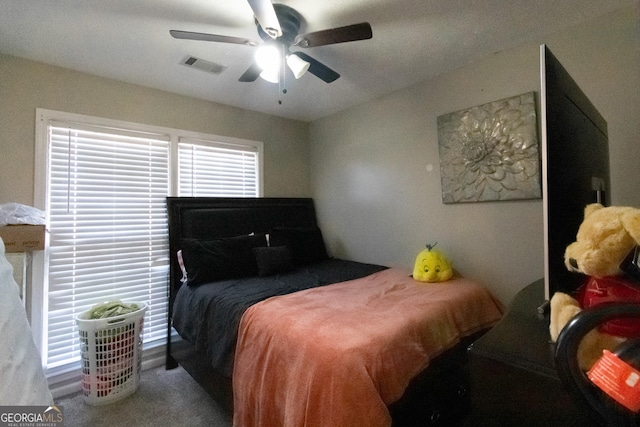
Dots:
pixel 209 218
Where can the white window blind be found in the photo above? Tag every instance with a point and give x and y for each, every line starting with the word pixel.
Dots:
pixel 103 184
pixel 108 229
pixel 217 169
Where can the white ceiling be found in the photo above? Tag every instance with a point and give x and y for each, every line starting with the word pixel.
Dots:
pixel 413 40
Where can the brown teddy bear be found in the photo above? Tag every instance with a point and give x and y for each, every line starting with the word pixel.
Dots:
pixel 604 238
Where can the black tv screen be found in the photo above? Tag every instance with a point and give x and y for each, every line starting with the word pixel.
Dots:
pixel 575 167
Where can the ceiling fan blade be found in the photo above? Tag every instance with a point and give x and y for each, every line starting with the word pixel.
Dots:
pixel 349 33
pixel 252 73
pixel 266 16
pixel 318 69
pixel 188 35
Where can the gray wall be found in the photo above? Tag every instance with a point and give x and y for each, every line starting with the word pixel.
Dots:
pixel 27 85
pixel 375 170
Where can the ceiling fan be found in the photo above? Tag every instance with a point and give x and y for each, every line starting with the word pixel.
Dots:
pixel 278 26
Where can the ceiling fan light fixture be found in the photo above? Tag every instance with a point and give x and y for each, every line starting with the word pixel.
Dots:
pixel 297 65
pixel 271 75
pixel 268 57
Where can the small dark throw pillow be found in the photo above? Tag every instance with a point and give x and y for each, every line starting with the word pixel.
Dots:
pixel 306 244
pixel 228 258
pixel 273 260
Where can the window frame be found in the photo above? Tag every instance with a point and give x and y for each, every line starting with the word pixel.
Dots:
pixel 37 296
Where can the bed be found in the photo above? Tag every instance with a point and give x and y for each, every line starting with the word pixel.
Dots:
pixel 280 333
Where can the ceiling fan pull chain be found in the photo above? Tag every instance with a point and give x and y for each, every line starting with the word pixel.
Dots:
pixel 282 82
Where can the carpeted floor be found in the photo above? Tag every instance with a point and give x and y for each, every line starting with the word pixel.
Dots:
pixel 163 398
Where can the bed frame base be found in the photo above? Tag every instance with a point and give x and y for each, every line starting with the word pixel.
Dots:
pixel 196 364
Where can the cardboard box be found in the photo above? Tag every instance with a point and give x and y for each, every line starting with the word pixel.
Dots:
pixel 22 238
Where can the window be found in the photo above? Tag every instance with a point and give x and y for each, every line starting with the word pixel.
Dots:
pixel 103 185
pixel 217 169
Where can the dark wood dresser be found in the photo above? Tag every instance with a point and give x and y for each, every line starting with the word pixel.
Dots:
pixel 513 380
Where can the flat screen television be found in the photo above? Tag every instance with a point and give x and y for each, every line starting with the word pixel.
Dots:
pixel 575 167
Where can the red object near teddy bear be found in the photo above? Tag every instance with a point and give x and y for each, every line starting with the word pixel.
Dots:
pixel 602 290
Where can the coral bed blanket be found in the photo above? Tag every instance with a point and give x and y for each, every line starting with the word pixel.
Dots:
pixel 338 355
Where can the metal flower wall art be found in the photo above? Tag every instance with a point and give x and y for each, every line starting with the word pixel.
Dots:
pixel 490 152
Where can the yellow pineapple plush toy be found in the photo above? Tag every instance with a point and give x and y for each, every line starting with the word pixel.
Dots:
pixel 432 266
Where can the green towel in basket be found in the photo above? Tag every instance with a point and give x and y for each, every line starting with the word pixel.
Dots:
pixel 111 309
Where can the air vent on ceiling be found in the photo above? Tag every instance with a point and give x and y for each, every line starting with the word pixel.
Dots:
pixel 201 64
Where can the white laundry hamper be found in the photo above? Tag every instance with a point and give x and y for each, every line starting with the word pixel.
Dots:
pixel 111 355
